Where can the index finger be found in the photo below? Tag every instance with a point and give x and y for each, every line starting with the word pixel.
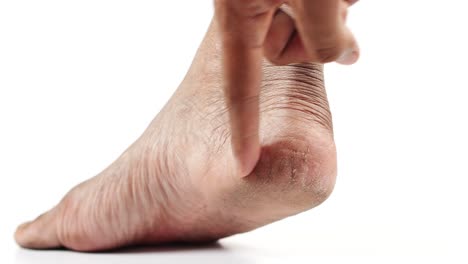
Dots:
pixel 243 25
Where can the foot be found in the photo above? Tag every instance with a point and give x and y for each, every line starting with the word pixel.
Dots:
pixel 177 182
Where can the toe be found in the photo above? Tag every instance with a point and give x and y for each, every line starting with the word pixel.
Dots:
pixel 40 233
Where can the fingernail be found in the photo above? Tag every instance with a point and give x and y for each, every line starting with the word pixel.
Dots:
pixel 352 2
pixel 348 57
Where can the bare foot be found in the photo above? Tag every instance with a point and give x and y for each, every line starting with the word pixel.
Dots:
pixel 177 182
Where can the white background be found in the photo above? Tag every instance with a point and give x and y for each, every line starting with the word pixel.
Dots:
pixel 80 80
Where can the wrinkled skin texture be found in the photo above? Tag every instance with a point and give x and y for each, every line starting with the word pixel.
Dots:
pixel 177 181
pixel 284 32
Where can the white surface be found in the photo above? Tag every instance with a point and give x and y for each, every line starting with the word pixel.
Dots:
pixel 80 80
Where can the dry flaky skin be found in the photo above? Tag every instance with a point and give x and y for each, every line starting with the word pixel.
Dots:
pixel 177 182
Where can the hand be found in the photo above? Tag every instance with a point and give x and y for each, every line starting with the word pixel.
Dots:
pixel 284 32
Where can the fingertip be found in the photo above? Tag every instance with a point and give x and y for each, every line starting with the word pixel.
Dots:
pixel 351 54
pixel 247 165
pixel 247 157
pixel 348 57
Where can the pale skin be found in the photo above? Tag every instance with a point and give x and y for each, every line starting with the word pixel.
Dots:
pixel 188 177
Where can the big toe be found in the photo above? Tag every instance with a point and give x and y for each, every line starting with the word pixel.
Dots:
pixel 40 233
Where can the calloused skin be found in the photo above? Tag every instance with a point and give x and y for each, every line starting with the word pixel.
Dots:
pixel 285 32
pixel 178 181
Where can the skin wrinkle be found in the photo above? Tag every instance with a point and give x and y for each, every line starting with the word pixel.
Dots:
pixel 304 93
pixel 141 192
pixel 107 197
pixel 157 198
pixel 306 80
pixel 163 197
pixel 304 86
pixel 80 229
pixel 206 136
pixel 218 122
pixel 284 93
pixel 299 101
pixel 177 182
pixel 104 199
pixel 190 107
